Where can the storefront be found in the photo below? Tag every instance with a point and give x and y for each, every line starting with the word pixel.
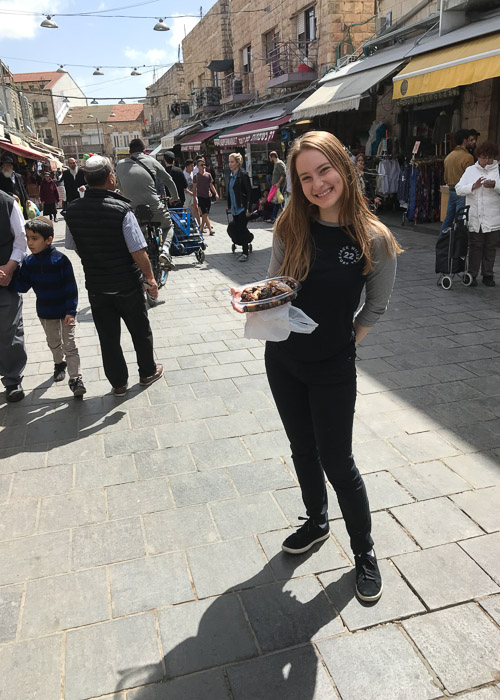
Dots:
pixel 29 162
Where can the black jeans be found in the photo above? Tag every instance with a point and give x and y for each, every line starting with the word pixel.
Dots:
pixel 316 403
pixel 108 310
pixel 241 223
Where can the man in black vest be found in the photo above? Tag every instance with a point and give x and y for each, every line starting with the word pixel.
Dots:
pixel 102 228
pixel 12 252
pixel 12 183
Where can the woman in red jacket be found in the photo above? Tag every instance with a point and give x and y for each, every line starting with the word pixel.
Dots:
pixel 49 196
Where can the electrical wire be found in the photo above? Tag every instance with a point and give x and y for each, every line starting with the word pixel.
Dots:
pixel 86 14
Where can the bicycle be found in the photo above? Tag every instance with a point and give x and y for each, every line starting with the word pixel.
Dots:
pixel 153 234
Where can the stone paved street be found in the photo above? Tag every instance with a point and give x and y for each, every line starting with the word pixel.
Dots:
pixel 140 538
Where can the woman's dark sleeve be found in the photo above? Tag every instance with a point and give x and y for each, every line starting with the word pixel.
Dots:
pixel 248 190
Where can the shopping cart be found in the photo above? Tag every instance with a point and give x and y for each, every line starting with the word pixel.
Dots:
pixel 187 237
pixel 451 252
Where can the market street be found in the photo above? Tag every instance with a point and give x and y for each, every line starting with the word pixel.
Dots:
pixel 140 537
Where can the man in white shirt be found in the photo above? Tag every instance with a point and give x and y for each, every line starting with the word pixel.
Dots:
pixel 12 252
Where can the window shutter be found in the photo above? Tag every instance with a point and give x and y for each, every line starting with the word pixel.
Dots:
pixel 245 56
pixel 301 24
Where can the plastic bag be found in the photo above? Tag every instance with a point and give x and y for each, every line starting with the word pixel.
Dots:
pixel 272 193
pixel 277 324
pixel 279 197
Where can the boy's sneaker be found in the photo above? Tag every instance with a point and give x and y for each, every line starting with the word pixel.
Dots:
pixel 368 578
pixel 59 372
pixel 77 387
pixel 14 393
pixel 166 261
pixel 306 536
pixel 243 257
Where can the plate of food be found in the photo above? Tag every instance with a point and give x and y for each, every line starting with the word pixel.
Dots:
pixel 266 294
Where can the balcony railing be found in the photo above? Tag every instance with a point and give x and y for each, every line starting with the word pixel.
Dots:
pixel 207 98
pixel 237 87
pixel 291 63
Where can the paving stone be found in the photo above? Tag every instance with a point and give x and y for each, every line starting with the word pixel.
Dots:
pixel 72 510
pixel 204 360
pixel 435 522
pixel 444 575
pixel 107 543
pixel 492 607
pixel 183 433
pixel 201 408
pixel 234 425
pixel 384 492
pixel 145 584
pixel 429 480
pixel 397 599
pixel 10 605
pixel 32 669
pixel 483 506
pixel 267 445
pixel 489 693
pixel 208 684
pixel 215 454
pixel 247 515
pixel 179 529
pixel 5 482
pixel 381 678
pixel 159 393
pixel 61 602
pixel 478 469
pixel 138 498
pixel 172 460
pixel 147 416
pixel 247 401
pixel 13 436
pixel 33 557
pixel 423 447
pixel 212 575
pixel 461 645
pixel 111 422
pixel 203 634
pixel 128 442
pixel 389 537
pixel 129 647
pixel 201 487
pixel 18 519
pixel 42 482
pixel 187 376
pixel 485 551
pixel 290 613
pixel 217 387
pixel 81 450
pixel 290 502
pixel 104 472
pixel 256 477
pixel 375 455
pixel 294 674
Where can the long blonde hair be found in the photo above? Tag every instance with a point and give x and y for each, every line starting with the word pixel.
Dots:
pixel 293 225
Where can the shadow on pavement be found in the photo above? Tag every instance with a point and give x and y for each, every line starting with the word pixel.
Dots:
pixel 254 637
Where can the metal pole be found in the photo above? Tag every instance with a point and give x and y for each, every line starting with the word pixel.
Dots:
pixel 6 104
pixel 76 149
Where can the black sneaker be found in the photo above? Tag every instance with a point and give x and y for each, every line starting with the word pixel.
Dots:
pixel 77 387
pixel 59 372
pixel 14 392
pixel 368 578
pixel 308 534
pixel 488 281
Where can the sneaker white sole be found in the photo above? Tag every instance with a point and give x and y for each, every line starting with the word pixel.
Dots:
pixel 305 549
pixel 80 391
pixel 369 599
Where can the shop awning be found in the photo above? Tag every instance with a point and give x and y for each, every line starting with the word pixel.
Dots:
pixel 257 132
pixel 24 152
pixel 194 141
pixel 221 65
pixel 461 64
pixel 344 91
pixel 168 141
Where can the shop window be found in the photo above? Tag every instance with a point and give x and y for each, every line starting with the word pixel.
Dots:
pixel 306 29
pixel 246 56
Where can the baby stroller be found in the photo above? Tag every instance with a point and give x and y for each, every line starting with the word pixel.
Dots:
pixel 187 237
pixel 238 237
pixel 451 252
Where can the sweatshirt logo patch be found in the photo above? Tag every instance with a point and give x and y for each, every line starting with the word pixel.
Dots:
pixel 349 255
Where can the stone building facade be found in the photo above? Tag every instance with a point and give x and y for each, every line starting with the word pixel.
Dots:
pixel 168 105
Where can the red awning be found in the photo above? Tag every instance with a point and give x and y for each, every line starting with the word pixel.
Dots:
pixel 194 141
pixel 24 152
pixel 256 132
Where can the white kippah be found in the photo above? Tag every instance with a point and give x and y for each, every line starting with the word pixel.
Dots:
pixel 95 163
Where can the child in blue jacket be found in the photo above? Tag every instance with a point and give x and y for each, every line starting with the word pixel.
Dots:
pixel 50 274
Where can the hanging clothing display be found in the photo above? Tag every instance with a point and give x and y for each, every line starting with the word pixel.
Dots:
pixel 419 188
pixel 388 171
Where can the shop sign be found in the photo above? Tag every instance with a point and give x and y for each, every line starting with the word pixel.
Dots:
pixel 122 151
pixel 244 139
pixel 429 97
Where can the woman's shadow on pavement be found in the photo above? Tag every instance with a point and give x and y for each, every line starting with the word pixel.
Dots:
pixel 260 632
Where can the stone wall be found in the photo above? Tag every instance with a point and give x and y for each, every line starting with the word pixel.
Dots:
pixel 399 8
pixel 169 88
pixel 207 41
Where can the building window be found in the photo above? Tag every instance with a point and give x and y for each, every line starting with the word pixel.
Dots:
pixel 48 133
pixel 216 79
pixel 246 56
pixel 116 140
pixel 306 29
pixel 271 41
pixel 136 135
pixel 126 139
pixel 45 108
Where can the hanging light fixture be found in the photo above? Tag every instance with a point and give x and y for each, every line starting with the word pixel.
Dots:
pixel 48 23
pixel 66 101
pixel 61 69
pixel 98 71
pixel 121 102
pixel 94 102
pixel 136 72
pixel 160 26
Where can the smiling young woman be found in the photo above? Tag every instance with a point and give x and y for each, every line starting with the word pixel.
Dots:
pixel 328 239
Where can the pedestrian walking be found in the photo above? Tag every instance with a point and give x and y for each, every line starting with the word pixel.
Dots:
pixel 203 188
pixel 191 202
pixel 480 186
pixel 12 183
pixel 50 274
pixel 177 176
pixel 12 251
pixel 103 229
pixel 49 196
pixel 239 203
pixel 329 240
pixel 73 180
pixel 278 179
pixel 455 165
